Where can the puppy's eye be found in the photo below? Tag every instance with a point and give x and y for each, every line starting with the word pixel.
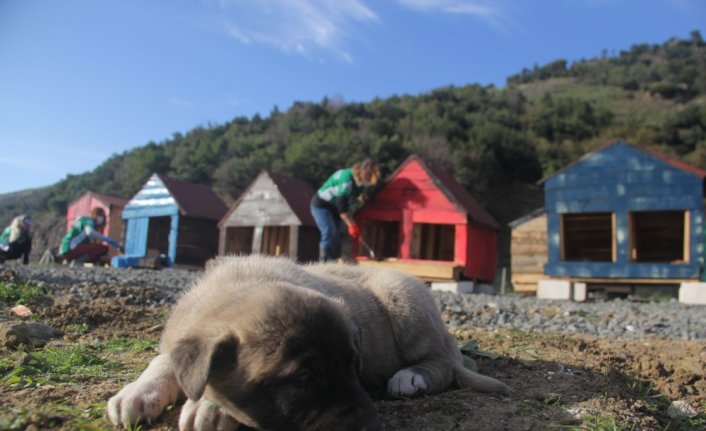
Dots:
pixel 304 377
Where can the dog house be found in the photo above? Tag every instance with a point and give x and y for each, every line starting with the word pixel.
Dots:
pixel 111 205
pixel 172 218
pixel 622 217
pixel 424 222
pixel 528 251
pixel 271 217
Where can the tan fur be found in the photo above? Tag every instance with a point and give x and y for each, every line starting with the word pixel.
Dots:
pixel 236 327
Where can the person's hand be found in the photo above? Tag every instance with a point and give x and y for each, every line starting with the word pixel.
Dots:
pixel 354 231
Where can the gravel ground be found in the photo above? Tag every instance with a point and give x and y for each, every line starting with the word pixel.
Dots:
pixel 615 318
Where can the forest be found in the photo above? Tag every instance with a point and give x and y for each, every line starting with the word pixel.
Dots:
pixel 498 142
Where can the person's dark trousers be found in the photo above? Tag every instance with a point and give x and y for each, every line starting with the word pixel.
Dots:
pixel 86 252
pixel 329 225
pixel 15 251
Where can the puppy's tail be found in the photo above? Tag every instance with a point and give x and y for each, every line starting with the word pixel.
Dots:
pixel 466 378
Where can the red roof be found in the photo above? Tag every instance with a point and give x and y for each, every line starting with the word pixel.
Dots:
pixel 195 200
pixel 106 199
pixel 453 190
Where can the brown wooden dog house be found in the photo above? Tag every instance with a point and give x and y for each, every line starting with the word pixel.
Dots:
pixel 271 217
pixel 528 249
pixel 425 222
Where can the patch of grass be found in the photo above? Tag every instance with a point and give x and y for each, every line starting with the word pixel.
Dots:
pixel 596 423
pixel 61 365
pixel 77 328
pixel 688 424
pixel 132 345
pixel 29 292
pixel 55 415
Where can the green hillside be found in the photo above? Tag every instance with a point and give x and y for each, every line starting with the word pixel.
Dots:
pixel 497 141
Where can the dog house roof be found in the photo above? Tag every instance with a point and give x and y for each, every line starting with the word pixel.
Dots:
pixel 452 189
pixel 194 200
pixel 296 193
pixel 701 173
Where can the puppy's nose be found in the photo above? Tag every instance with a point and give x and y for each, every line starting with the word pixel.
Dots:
pixel 376 425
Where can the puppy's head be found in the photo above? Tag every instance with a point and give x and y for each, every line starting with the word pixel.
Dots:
pixel 280 358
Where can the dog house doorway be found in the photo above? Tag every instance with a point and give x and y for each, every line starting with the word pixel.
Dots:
pixel 659 236
pixel 158 235
pixel 239 240
pixel 275 240
pixel 433 241
pixel 383 237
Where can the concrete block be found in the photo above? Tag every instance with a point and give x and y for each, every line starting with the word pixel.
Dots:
pixel 486 288
pixel 454 286
pixel 554 289
pixel 692 293
pixel 580 292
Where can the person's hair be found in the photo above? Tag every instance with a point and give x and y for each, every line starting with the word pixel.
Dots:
pixel 366 165
pixel 97 211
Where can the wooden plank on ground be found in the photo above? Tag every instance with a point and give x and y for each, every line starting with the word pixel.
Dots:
pixel 424 270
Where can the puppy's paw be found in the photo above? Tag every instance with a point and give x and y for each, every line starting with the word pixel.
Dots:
pixel 204 415
pixel 140 402
pixel 406 383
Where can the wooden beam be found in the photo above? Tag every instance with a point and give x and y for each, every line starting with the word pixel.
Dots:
pixel 424 270
pixel 687 235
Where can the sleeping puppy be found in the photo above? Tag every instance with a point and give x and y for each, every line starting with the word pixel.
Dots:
pixel 267 343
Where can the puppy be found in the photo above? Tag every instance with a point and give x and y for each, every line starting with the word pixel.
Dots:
pixel 267 343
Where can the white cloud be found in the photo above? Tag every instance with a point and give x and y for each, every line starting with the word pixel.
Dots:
pixel 322 29
pixel 180 102
pixel 489 11
pixel 307 27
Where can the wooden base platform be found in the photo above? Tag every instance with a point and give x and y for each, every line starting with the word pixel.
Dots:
pixel 428 271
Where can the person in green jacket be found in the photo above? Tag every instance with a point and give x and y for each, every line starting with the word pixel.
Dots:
pixel 330 203
pixel 77 245
pixel 16 240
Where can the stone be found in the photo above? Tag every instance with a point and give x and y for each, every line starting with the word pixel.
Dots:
pixel 681 409
pixel 32 334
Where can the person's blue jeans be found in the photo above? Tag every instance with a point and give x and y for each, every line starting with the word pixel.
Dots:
pixel 329 224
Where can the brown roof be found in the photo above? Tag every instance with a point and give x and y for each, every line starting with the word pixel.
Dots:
pixel 701 173
pixel 453 190
pixel 298 195
pixel 195 200
pixel 295 192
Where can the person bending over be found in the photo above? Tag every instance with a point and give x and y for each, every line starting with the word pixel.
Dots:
pixel 329 205
pixel 16 240
pixel 77 245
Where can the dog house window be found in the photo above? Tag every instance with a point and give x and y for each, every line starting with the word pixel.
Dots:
pixel 158 235
pixel 588 237
pixel 659 236
pixel 275 240
pixel 383 237
pixel 433 241
pixel 239 240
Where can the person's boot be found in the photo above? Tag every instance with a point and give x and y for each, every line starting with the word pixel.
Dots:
pixel 326 254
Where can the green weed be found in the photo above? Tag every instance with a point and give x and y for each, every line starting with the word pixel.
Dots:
pixel 22 293
pixel 60 365
pixel 133 345
pixel 54 415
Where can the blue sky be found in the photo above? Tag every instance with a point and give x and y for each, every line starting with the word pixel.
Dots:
pixel 81 80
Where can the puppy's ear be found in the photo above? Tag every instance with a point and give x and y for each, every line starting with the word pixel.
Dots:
pixel 195 358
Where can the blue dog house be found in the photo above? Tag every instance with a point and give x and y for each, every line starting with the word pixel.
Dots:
pixel 622 212
pixel 172 218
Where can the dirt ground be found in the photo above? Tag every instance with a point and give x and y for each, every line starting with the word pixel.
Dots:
pixel 559 381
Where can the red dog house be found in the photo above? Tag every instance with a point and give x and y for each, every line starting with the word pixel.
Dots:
pixel 424 222
pixel 111 205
